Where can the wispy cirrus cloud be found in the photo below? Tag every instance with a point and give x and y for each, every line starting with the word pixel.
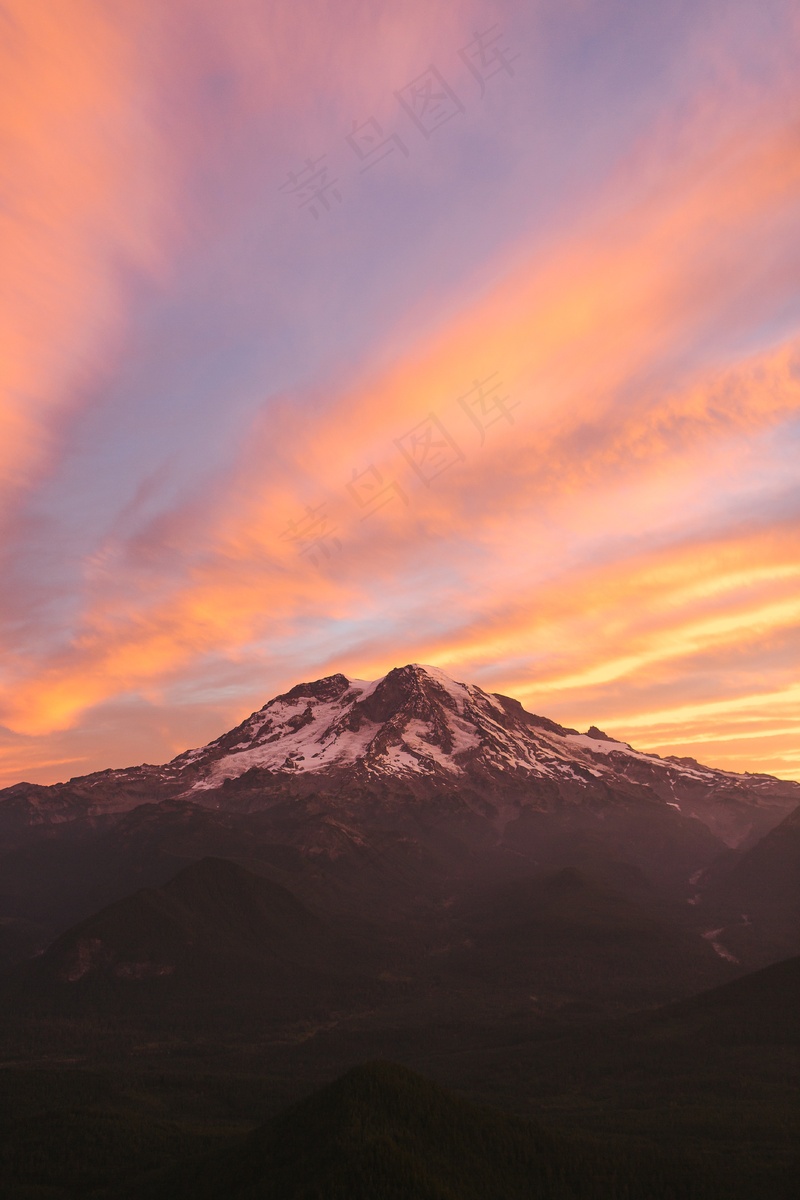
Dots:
pixel 73 214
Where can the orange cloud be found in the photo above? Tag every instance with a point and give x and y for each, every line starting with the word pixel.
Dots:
pixel 73 210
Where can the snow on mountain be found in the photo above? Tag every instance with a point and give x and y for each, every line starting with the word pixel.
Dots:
pixel 416 719
pixel 417 728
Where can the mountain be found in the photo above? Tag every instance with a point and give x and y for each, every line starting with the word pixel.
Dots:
pixel 560 940
pixel 415 732
pixel 715 1073
pixel 752 901
pixel 504 951
pixel 712 1036
pixel 377 802
pixel 389 807
pixel 415 869
pixel 382 1132
pixel 214 932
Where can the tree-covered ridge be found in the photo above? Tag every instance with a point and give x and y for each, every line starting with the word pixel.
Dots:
pixel 380 1132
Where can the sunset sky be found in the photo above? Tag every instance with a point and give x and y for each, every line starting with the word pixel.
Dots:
pixel 341 334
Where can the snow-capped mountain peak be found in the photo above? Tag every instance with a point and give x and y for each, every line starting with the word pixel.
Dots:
pixel 416 731
pixel 417 721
